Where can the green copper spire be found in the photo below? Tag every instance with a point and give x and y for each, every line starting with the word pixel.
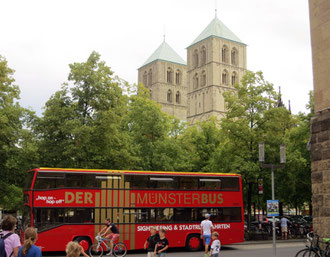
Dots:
pixel 165 53
pixel 217 29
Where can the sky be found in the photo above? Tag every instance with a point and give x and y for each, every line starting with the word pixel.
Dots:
pixel 40 38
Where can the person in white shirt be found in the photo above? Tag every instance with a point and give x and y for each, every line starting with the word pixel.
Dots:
pixel 206 231
pixel 216 245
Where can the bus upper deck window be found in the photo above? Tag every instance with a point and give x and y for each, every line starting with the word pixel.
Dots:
pixel 162 183
pixel 210 183
pixel 48 180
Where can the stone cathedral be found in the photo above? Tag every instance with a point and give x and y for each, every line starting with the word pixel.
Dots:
pixel 192 91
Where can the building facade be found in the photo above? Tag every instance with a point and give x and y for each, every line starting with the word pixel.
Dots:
pixel 320 128
pixel 216 60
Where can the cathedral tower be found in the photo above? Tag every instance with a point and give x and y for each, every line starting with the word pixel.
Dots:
pixel 164 74
pixel 216 61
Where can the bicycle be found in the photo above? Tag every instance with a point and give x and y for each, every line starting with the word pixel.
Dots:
pixel 98 248
pixel 315 251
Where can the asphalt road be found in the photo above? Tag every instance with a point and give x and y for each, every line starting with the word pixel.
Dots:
pixel 251 250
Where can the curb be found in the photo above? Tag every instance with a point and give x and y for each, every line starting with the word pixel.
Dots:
pixel 270 242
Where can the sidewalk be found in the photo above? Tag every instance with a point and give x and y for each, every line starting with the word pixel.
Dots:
pixel 270 242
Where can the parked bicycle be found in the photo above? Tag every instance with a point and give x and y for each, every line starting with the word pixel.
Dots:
pixel 313 248
pixel 100 246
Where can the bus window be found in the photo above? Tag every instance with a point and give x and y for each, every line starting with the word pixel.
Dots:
pixel 184 214
pixel 162 183
pixel 141 215
pixel 79 215
pixel 29 179
pixel 73 180
pixel 45 218
pixel 225 214
pixel 106 178
pixel 49 180
pixel 188 183
pixel 210 183
pixel 137 181
pixel 230 183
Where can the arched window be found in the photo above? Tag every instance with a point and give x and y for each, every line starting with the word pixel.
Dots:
pixel 203 78
pixel 169 96
pixel 169 75
pixel 150 78
pixel 224 54
pixel 178 77
pixel 203 55
pixel 195 58
pixel 145 79
pixel 225 77
pixel 234 56
pixel 195 81
pixel 233 78
pixel 178 97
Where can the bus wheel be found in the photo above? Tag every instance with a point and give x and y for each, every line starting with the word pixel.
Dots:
pixel 193 243
pixel 85 242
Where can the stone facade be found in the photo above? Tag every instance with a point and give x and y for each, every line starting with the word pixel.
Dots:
pixel 320 129
pixel 214 66
pixel 167 84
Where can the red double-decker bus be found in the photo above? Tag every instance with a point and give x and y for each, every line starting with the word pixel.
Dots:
pixel 72 204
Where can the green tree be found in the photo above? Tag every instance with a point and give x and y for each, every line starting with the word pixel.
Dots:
pixel 82 123
pixel 16 143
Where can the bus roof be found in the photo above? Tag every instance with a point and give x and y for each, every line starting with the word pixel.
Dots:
pixel 104 171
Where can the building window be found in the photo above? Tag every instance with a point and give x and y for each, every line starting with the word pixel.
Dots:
pixel 195 58
pixel 150 78
pixel 233 78
pixel 224 54
pixel 178 97
pixel 178 77
pixel 169 75
pixel 169 96
pixel 203 55
pixel 234 56
pixel 145 78
pixel 203 78
pixel 195 81
pixel 224 77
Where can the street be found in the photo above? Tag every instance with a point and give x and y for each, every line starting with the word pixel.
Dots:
pixel 251 250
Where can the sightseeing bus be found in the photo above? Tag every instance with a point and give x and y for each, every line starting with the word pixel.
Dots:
pixel 72 204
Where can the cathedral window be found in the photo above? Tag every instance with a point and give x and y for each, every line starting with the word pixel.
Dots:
pixel 169 75
pixel 150 78
pixel 195 81
pixel 203 78
pixel 224 54
pixel 178 97
pixel 234 56
pixel 145 78
pixel 203 55
pixel 233 78
pixel 178 77
pixel 195 58
pixel 169 96
pixel 224 77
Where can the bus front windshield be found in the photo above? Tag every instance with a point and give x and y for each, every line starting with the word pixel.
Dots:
pixel 29 179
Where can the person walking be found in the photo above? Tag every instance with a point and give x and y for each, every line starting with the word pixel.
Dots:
pixel 73 249
pixel 11 240
pixel 206 232
pixel 29 249
pixel 162 244
pixel 151 242
pixel 284 228
pixel 216 245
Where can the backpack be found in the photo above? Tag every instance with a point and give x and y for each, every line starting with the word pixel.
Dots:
pixel 2 245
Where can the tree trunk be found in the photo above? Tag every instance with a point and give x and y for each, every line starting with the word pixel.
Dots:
pixel 310 209
pixel 249 203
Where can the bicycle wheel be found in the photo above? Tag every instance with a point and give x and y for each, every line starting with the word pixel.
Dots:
pixel 96 250
pixel 119 250
pixel 302 252
pixel 311 253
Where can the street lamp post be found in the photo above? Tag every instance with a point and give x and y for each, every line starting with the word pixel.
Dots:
pixel 272 167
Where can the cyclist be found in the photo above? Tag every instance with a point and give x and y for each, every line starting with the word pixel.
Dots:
pixel 112 236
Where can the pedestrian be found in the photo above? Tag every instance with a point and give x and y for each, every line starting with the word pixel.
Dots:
pixel 206 232
pixel 216 245
pixel 29 249
pixel 284 228
pixel 73 249
pixel 151 242
pixel 162 244
pixel 11 240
